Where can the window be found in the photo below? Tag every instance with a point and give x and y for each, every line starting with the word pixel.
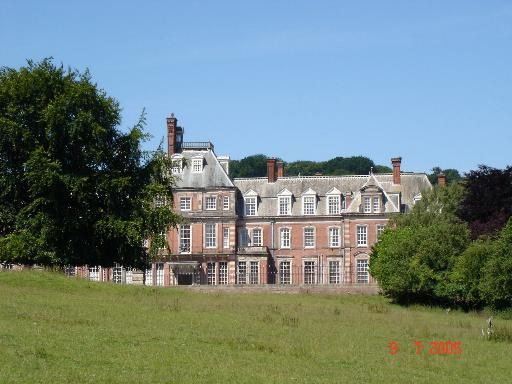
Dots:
pixel 185 203
pixel 254 272
pixel 367 208
pixel 309 237
pixel 210 235
pixel 380 229
pixel 129 276
pixel 159 202
pixel 211 202
pixel 285 237
pixel 285 276
pixel 309 272
pixel 334 237
pixel 343 204
pixel 94 273
pixel 285 205
pixel 333 205
pixel 362 235
pixel 159 274
pixel 149 277
pixel 243 238
pixel 225 238
pixel 250 206
pixel 210 273
pixel 197 165
pixel 257 240
pixel 308 207
pixel 334 272
pixel 223 272
pixel 117 274
pixel 225 203
pixel 242 272
pixel 177 166
pixel 362 271
pixel 376 204
pixel 185 239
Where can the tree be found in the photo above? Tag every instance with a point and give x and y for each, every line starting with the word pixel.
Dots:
pixel 487 203
pixel 74 189
pixel 452 175
pixel 250 166
pixel 414 257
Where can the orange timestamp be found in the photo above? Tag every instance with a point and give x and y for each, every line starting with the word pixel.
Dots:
pixel 436 347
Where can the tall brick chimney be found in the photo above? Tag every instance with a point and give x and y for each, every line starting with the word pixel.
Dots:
pixel 441 180
pixel 271 170
pixel 280 169
pixel 172 125
pixel 396 161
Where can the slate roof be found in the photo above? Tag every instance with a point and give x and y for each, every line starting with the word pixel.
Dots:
pixel 395 195
pixel 213 175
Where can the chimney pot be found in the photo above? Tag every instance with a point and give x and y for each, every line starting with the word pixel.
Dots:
pixel 280 169
pixel 441 180
pixel 271 170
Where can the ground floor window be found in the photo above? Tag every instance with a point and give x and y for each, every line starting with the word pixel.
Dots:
pixel 223 272
pixel 70 270
pixel 117 275
pixel 210 273
pixel 254 272
pixel 242 272
pixel 309 272
pixel 129 276
pixel 285 272
pixel 362 271
pixel 159 274
pixel 334 272
pixel 149 276
pixel 94 273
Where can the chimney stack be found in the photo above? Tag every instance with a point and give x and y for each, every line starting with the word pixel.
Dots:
pixel 271 170
pixel 396 161
pixel 280 169
pixel 172 123
pixel 441 180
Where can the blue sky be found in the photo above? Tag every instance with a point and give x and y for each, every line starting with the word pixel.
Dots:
pixel 430 81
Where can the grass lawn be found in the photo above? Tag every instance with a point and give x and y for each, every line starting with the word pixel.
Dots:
pixel 59 330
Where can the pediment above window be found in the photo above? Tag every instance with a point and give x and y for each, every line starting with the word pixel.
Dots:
pixel 334 191
pixel 309 192
pixel 285 192
pixel 250 193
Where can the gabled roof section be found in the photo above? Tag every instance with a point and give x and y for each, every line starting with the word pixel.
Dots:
pixel 250 193
pixel 309 191
pixel 333 191
pixel 213 174
pixel 285 192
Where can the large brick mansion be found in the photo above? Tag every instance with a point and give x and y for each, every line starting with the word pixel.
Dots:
pixel 270 230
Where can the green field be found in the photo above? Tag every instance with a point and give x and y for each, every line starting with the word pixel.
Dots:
pixel 59 330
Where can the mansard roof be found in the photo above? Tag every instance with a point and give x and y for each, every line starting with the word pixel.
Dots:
pixel 212 176
pixel 403 193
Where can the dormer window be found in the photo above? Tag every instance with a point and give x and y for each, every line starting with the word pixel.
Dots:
pixel 284 203
pixel 250 203
pixel 371 199
pixel 197 165
pixel 334 202
pixel 309 202
pixel 177 164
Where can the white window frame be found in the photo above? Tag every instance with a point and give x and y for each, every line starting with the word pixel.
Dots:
pixel 177 165
pixel 225 238
pixel 333 208
pixel 210 202
pixel 362 235
pixel 183 229
pixel 223 272
pixel 367 204
pixel 211 273
pixel 285 272
pixel 197 165
pixel 376 204
pixel 250 206
pixel 309 269
pixel 185 203
pixel 334 271
pixel 94 273
pixel 257 237
pixel 309 237
pixel 286 203
pixel 254 272
pixel 159 269
pixel 380 230
pixel 210 235
pixel 334 237
pixel 225 203
pixel 362 274
pixel 285 238
pixel 242 273
pixel 309 205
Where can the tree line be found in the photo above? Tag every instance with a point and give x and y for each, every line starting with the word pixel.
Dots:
pixel 454 248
